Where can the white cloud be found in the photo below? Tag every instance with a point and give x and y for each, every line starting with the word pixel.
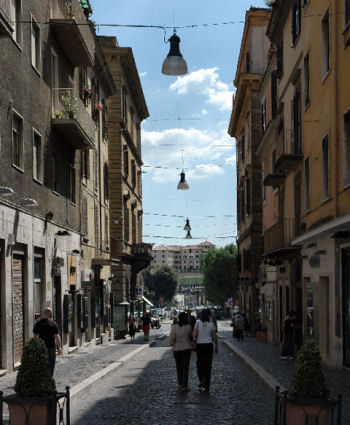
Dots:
pixel 206 82
pixel 143 74
pixel 204 112
pixel 162 152
pixel 231 160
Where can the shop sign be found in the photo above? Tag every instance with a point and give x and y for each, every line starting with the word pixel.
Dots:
pixel 138 292
pixel 87 275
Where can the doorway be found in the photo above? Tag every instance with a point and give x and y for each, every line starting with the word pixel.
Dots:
pixel 18 306
pixel 323 316
pixel 346 305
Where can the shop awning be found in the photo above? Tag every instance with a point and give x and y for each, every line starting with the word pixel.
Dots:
pixel 147 301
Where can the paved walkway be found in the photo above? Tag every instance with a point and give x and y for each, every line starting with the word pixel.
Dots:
pixel 265 359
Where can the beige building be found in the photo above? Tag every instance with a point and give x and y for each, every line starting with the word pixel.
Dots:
pixel 181 258
pixel 126 110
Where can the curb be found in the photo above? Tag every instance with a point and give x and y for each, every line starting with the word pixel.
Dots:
pixel 268 379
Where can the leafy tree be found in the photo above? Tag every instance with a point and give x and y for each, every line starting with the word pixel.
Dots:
pixel 161 282
pixel 219 273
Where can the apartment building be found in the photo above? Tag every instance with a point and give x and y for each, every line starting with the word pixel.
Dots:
pixel 245 126
pixel 50 133
pixel 126 110
pixel 181 258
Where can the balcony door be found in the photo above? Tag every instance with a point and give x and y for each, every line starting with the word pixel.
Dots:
pixel 346 305
pixel 54 81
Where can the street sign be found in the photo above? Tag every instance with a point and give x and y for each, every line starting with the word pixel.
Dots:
pixel 138 292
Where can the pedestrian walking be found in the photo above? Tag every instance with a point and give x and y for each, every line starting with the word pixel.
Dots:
pixel 132 326
pixel 181 339
pixel 213 320
pixel 146 323
pixel 46 329
pixel 239 326
pixel 288 332
pixel 191 319
pixel 204 333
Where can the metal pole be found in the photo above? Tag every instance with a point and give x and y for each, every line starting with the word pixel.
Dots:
pixel 277 397
pixel 68 405
pixel 1 402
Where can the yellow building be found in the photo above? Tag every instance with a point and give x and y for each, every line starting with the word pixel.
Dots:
pixel 245 126
pixel 313 58
pixel 126 110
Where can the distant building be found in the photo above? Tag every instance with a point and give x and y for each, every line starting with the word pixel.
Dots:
pixel 181 258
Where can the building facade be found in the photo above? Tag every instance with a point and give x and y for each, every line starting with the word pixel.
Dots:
pixel 49 57
pixel 126 110
pixel 245 126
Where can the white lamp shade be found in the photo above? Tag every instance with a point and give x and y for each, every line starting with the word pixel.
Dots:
pixel 183 185
pixel 188 236
pixel 174 65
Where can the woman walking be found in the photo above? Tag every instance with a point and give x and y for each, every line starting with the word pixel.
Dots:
pixel 204 333
pixel 132 326
pixel 180 339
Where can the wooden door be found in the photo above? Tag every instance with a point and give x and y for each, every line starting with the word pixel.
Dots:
pixel 18 307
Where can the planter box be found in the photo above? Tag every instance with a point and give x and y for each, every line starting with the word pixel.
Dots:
pixel 31 410
pixel 261 336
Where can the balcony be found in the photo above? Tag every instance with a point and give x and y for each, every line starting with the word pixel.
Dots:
pixel 6 29
pixel 274 180
pixel 71 119
pixel 278 237
pixel 288 152
pixel 142 256
pixel 73 32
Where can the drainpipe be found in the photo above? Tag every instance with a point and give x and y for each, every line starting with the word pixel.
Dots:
pixel 335 109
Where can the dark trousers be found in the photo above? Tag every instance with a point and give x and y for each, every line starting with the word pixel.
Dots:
pixel 182 360
pixel 204 360
pixel 52 359
pixel 288 346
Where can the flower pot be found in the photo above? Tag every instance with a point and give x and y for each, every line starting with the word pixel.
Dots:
pixel 308 411
pixel 31 411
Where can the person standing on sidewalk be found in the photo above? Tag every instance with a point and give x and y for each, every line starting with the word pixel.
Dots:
pixel 204 333
pixel 180 339
pixel 239 326
pixel 46 329
pixel 146 323
pixel 288 332
pixel 132 326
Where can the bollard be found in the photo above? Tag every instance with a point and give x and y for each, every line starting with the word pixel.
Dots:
pixel 277 392
pixel 68 405
pixel 1 402
pixel 339 408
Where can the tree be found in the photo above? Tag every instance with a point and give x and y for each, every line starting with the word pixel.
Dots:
pixel 219 273
pixel 161 282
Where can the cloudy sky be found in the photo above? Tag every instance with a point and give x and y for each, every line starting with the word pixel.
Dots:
pixel 189 115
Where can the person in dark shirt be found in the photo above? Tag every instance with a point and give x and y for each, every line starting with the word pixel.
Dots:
pixel 146 322
pixel 47 330
pixel 288 336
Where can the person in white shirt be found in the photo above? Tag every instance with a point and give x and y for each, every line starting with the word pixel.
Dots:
pixel 204 334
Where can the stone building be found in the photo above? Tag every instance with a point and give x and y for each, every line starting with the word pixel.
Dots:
pixel 49 59
pixel 245 126
pixel 126 110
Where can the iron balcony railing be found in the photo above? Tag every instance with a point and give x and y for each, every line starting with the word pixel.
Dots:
pixel 70 116
pixel 280 235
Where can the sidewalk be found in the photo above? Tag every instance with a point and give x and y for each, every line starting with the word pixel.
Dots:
pixel 265 360
pixel 82 368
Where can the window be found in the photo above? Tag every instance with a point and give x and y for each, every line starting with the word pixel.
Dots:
pixel 307 79
pixel 347 11
pixel 247 200
pixel 97 232
pixel 126 224
pixel 306 2
pixel 263 115
pixel 307 184
pixel 35 45
pixel 126 161
pixel 17 141
pixel 83 85
pixel 279 59
pixel 85 164
pixel 37 157
pixel 106 228
pixel 72 195
pixel 247 63
pixel 105 182
pixel 242 148
pixel 325 168
pixel 296 121
pixel 125 107
pixel 16 16
pixel 133 173
pixel 55 170
pixel 296 20
pixel 325 44
pixel 346 149
pixel 84 227
pixel 38 285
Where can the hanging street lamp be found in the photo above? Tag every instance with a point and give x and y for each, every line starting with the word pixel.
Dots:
pixel 174 63
pixel 182 185
pixel 187 225
pixel 188 236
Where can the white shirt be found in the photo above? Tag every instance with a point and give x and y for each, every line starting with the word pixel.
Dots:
pixel 204 332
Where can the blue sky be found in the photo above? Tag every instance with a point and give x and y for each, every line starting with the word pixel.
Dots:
pixel 189 113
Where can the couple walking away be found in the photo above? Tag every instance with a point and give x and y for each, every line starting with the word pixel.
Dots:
pixel 183 339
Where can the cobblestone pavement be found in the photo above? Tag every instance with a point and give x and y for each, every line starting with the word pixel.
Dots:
pixel 73 368
pixel 144 392
pixel 268 356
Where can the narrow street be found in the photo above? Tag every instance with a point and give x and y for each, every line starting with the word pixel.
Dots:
pixel 144 392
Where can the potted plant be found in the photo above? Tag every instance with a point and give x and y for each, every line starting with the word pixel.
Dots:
pixel 70 104
pixel 308 400
pixel 35 400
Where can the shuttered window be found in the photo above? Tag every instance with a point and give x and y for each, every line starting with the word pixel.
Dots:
pixel 84 226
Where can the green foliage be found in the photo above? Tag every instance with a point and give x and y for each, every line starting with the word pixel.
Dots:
pixel 33 377
pixel 70 103
pixel 308 380
pixel 220 273
pixel 161 282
